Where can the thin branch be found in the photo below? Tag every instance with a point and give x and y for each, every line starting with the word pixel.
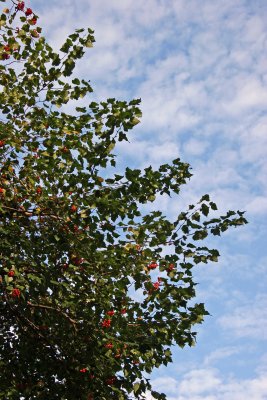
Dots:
pixel 43 306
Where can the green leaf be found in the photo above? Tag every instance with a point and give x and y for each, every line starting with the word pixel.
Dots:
pixel 205 209
pixel 136 387
pixel 205 197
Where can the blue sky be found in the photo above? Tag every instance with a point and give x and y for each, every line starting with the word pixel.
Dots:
pixel 200 67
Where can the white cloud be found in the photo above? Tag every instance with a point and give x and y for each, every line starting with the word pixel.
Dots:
pixel 208 384
pixel 220 354
pixel 195 147
pixel 247 320
pixel 199 381
pixel 250 93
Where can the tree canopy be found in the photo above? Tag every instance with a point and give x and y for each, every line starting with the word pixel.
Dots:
pixel 94 292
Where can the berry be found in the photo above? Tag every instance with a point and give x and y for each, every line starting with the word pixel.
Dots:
pixel 73 208
pixel 123 311
pixel 20 6
pixel 83 370
pixel 152 265
pixel 28 12
pixel 15 293
pixel 156 285
pixel 171 267
pixel 33 21
pixel 2 191
pixel 109 346
pixel 111 380
pixel 2 143
pixel 106 323
pixel 111 313
pixel 39 190
pixel 11 273
pixel 7 48
pixel 77 260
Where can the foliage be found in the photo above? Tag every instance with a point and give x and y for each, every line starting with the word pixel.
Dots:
pixel 91 300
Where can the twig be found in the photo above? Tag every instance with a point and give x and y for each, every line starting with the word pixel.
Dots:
pixel 72 321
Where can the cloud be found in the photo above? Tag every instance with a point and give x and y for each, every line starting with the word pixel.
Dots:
pixel 220 354
pixel 248 320
pixel 250 93
pixel 209 384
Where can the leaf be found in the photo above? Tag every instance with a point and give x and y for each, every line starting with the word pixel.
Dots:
pixel 205 209
pixel 213 206
pixel 135 121
pixel 205 197
pixel 89 44
pixel 136 387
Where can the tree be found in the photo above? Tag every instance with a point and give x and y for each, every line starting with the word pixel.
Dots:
pixel 93 292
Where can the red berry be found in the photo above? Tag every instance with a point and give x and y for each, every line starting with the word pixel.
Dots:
pixel 156 285
pixel 73 208
pixel 83 370
pixel 111 380
pixel 33 21
pixel 28 12
pixel 11 273
pixel 15 293
pixel 111 313
pixel 39 190
pixel 20 6
pixel 152 265
pixel 171 267
pixel 77 260
pixel 7 48
pixel 123 311
pixel 109 346
pixel 2 143
pixel 106 323
pixel 2 191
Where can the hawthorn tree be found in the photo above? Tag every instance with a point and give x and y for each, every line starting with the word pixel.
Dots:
pixel 93 292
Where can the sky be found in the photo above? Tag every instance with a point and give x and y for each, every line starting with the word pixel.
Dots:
pixel 200 68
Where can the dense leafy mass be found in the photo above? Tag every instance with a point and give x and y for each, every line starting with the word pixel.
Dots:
pixel 93 292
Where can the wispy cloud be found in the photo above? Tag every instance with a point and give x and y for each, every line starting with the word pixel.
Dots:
pixel 248 320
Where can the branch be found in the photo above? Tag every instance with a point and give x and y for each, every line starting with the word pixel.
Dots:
pixel 43 306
